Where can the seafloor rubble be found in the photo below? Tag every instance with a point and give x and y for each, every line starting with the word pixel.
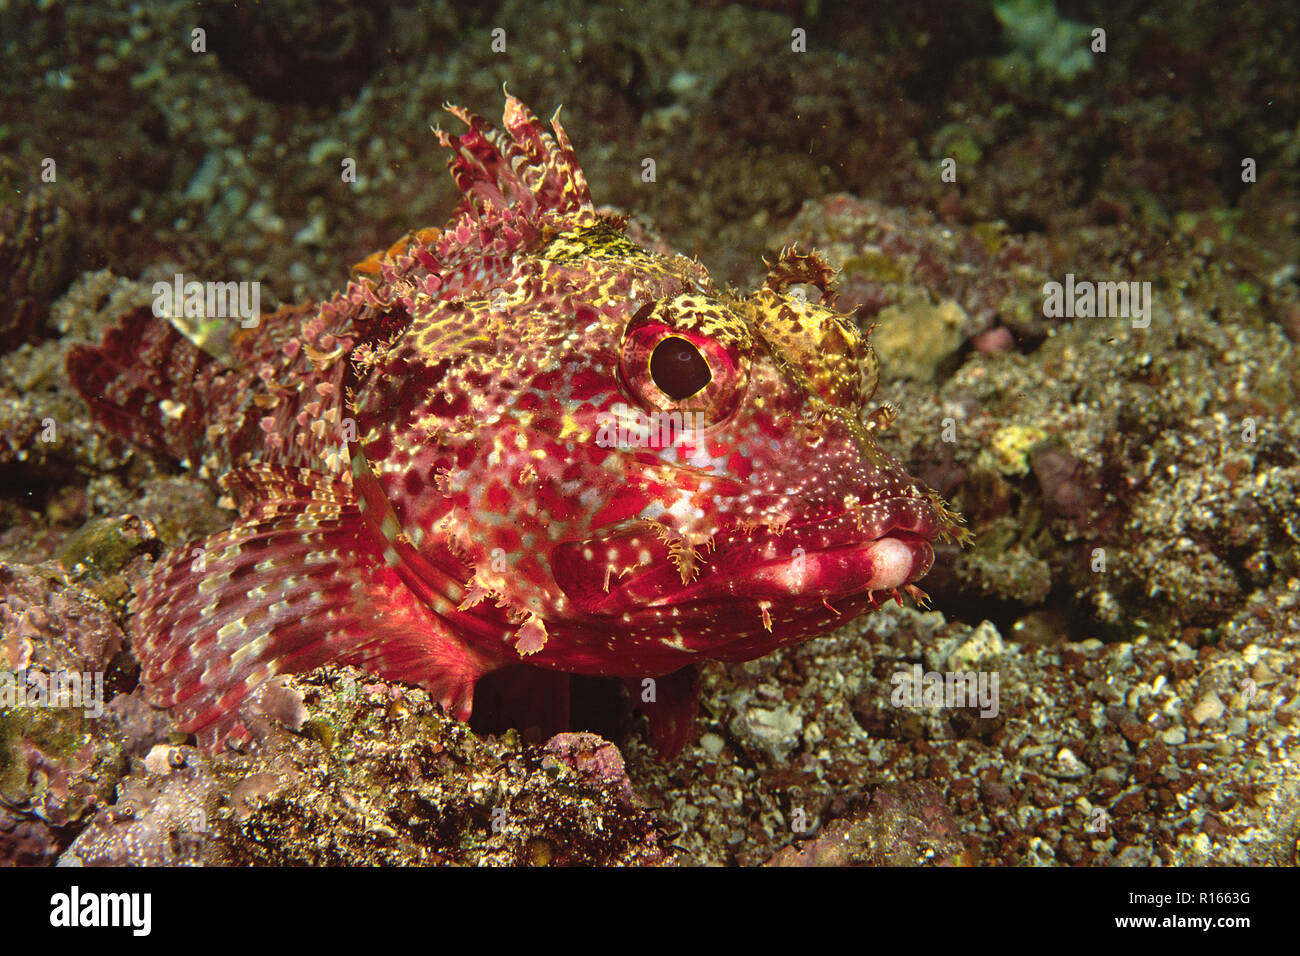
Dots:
pixel 1134 579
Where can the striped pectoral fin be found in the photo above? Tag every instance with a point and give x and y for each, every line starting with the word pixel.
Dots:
pixel 281 592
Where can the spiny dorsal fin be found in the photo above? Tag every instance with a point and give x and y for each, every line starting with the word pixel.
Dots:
pixel 520 185
pixel 522 168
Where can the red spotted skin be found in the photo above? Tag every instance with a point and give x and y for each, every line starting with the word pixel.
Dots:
pixel 440 451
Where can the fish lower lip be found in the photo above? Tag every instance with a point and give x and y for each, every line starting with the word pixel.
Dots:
pixel 884 563
pixel 880 564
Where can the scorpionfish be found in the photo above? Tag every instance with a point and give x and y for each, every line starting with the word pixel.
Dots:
pixel 523 442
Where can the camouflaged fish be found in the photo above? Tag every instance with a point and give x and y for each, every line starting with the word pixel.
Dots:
pixel 521 440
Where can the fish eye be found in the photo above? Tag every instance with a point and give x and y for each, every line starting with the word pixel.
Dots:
pixel 678 368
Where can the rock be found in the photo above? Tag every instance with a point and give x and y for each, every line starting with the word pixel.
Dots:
pixel 905 824
pixel 919 341
pixel 1208 708
pixel 776 731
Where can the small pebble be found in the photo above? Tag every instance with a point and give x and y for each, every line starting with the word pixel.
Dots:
pixel 1067 761
pixel 159 759
pixel 1108 775
pixel 1174 736
pixel 1208 708
pixel 712 745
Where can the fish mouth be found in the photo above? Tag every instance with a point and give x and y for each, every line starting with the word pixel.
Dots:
pixel 828 559
pixel 882 564
pixel 885 563
pixel 821 561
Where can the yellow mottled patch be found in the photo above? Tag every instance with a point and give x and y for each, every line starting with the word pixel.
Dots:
pixel 569 428
pixel 818 346
pixel 1008 452
pixel 601 241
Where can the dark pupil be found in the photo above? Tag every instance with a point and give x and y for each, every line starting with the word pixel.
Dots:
pixel 678 368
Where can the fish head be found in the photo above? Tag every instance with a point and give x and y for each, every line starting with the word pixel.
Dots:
pixel 737 497
pixel 623 466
